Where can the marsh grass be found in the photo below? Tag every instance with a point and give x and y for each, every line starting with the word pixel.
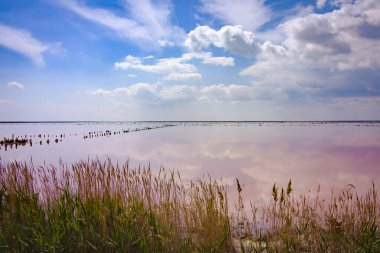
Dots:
pixel 100 206
pixel 346 223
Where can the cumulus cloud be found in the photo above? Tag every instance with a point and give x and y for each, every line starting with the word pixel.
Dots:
pixel 223 61
pixel 150 93
pixel 339 3
pixel 160 93
pixel 232 92
pixel 322 53
pixel 101 92
pixel 166 43
pixel 183 76
pixel 337 39
pixel 165 65
pixel 208 58
pixel 134 90
pixel 145 21
pixel 22 42
pixel 249 13
pixel 177 92
pixel 16 85
pixel 321 3
pixel 316 54
pixel 230 38
pixel 175 68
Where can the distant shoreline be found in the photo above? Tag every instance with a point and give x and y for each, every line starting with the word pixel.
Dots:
pixel 195 121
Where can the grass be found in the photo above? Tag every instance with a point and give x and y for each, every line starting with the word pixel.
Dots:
pixel 346 223
pixel 100 206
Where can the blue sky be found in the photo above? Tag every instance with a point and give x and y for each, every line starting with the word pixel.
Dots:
pixel 189 60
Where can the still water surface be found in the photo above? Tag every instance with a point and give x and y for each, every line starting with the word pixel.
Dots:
pixel 329 154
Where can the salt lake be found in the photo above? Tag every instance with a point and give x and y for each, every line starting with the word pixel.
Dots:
pixel 329 155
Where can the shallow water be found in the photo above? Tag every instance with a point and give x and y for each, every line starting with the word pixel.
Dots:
pixel 330 154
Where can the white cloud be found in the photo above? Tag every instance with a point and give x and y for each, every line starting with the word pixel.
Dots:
pixel 269 50
pixel 166 43
pixel 175 68
pixel 183 76
pixel 177 92
pixel 251 14
pixel 322 52
pixel 160 93
pixel 133 90
pixel 154 15
pixel 321 3
pixel 318 55
pixel 124 26
pixel 132 75
pixel 344 39
pixel 165 66
pixel 208 58
pixel 16 85
pixel 149 93
pixel 146 22
pixel 101 92
pixel 232 92
pixel 231 38
pixel 22 42
pixel 142 88
pixel 223 61
pixel 339 3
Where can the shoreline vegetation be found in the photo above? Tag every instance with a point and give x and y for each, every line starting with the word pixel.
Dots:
pixel 100 206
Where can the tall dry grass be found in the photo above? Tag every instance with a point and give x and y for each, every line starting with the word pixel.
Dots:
pixel 100 206
pixel 346 223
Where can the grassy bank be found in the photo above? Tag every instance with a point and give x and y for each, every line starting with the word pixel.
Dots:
pixel 101 206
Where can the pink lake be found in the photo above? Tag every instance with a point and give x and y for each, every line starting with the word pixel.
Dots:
pixel 329 154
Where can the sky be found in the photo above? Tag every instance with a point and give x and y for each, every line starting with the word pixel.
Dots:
pixel 189 60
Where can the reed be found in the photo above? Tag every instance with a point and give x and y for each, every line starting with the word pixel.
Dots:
pixel 346 223
pixel 100 206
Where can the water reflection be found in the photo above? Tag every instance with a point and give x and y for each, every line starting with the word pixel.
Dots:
pixel 22 141
pixel 258 154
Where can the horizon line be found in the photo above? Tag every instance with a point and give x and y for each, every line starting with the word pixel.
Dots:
pixel 189 121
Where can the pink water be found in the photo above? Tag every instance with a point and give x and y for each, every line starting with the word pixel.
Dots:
pixel 329 155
